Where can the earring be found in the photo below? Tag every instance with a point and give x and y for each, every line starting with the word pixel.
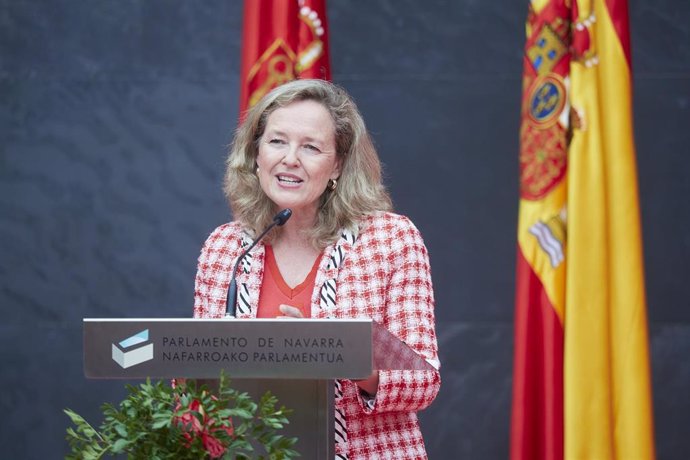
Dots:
pixel 257 170
pixel 332 184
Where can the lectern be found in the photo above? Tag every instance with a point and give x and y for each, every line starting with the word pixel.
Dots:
pixel 296 359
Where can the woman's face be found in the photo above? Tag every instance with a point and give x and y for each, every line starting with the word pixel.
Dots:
pixel 297 156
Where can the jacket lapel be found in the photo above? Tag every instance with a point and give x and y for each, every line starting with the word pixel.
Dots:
pixel 325 285
pixel 249 277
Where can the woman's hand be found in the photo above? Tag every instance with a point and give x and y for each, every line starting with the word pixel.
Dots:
pixel 369 384
pixel 289 311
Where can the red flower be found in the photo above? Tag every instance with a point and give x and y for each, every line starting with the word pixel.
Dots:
pixel 213 446
pixel 194 428
pixel 230 430
pixel 189 438
pixel 189 420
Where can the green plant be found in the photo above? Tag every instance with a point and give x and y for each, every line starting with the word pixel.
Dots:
pixel 159 421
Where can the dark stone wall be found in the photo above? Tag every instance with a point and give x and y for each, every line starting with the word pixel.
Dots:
pixel 113 125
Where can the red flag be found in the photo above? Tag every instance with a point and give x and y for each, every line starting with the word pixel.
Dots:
pixel 282 40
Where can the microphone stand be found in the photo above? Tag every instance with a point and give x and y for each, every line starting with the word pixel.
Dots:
pixel 231 301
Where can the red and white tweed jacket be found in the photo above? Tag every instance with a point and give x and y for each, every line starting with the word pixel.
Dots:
pixel 385 276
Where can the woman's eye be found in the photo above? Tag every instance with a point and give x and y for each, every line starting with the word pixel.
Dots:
pixel 276 141
pixel 312 148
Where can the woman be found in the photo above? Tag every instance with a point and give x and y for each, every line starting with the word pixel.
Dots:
pixel 342 254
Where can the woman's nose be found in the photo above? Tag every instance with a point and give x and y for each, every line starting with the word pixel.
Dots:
pixel 291 156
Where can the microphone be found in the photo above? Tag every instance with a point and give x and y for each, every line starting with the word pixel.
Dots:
pixel 231 304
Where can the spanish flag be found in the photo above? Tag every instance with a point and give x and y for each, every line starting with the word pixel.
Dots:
pixel 581 386
pixel 282 40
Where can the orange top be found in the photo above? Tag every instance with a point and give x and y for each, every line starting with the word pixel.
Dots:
pixel 275 291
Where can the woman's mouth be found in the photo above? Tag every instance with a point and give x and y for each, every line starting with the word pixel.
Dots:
pixel 289 180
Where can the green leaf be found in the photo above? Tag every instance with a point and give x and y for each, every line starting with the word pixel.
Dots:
pixel 119 446
pixel 160 424
pixel 121 430
pixel 241 413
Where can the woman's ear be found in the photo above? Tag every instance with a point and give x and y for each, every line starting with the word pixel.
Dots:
pixel 337 169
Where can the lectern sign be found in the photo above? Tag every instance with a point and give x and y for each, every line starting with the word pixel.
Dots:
pixel 258 348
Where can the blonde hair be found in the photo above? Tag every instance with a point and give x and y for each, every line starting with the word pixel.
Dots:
pixel 360 190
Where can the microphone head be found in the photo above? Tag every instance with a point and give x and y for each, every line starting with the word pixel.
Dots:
pixel 282 216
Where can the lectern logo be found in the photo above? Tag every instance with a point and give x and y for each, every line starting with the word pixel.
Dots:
pixel 133 350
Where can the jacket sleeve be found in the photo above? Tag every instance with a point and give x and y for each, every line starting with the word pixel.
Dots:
pixel 410 316
pixel 211 272
pixel 200 289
